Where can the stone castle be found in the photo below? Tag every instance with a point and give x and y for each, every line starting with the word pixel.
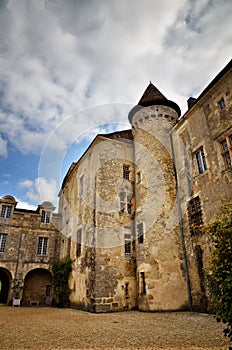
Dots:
pixel 130 211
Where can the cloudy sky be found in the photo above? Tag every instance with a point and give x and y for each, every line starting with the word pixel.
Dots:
pixel 71 69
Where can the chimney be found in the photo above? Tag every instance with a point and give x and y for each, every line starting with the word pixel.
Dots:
pixel 191 102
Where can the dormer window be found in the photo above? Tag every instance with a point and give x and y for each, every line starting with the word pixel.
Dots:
pixel 46 216
pixel 6 211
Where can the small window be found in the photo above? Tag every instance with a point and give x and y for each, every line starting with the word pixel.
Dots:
pixel 201 162
pixel 139 177
pixel 226 147
pixel 142 283
pixel 79 240
pixel 140 233
pixel 6 211
pixel 195 215
pixel 69 246
pixel 81 185
pixel 221 104
pixel 126 172
pixel 45 218
pixel 125 203
pixel 3 238
pixel 42 246
pixel 127 240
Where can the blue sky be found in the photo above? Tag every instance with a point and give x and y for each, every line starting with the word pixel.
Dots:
pixel 72 69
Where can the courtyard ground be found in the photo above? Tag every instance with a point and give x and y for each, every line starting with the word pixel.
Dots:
pixel 67 329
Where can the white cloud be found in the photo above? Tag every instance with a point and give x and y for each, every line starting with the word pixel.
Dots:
pixel 57 57
pixel 3 147
pixel 40 189
pixel 24 205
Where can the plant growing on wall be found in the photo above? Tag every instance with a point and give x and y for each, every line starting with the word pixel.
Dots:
pixel 17 286
pixel 60 270
pixel 220 277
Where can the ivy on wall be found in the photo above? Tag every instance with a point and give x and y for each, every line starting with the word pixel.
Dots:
pixel 60 271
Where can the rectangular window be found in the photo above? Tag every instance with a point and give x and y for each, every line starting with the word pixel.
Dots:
pixel 126 172
pixel 142 283
pixel 3 238
pixel 125 203
pixel 127 240
pixel 140 233
pixel 201 162
pixel 195 215
pixel 45 218
pixel 226 147
pixel 221 104
pixel 42 246
pixel 139 177
pixel 79 240
pixel 6 211
pixel 81 185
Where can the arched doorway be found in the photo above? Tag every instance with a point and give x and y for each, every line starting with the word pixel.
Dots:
pixel 5 281
pixel 37 288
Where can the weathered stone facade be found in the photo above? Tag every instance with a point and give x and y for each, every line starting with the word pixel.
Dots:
pixel 131 207
pixel 28 246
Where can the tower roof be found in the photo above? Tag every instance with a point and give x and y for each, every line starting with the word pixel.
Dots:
pixel 151 97
pixel 150 94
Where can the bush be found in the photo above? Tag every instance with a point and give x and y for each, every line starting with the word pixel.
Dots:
pixel 220 277
pixel 60 271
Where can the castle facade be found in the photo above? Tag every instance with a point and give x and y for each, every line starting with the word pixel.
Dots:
pixel 130 211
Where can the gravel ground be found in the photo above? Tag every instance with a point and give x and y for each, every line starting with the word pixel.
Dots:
pixel 67 329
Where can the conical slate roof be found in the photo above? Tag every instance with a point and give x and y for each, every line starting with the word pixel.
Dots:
pixel 150 94
pixel 151 97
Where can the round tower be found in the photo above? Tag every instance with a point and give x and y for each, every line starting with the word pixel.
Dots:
pixel 161 282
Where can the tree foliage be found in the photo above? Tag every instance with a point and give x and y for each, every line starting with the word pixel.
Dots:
pixel 61 270
pixel 220 278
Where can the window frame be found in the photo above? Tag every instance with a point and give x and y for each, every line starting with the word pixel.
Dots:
pixel 226 151
pixel 79 243
pixel 6 211
pixel 127 245
pixel 125 202
pixel 195 215
pixel 221 104
pixel 81 184
pixel 3 241
pixel 201 160
pixel 126 172
pixel 45 216
pixel 42 248
pixel 140 232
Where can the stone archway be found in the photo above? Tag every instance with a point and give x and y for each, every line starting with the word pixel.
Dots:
pixel 5 281
pixel 37 288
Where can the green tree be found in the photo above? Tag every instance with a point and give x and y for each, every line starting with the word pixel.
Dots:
pixel 220 277
pixel 61 270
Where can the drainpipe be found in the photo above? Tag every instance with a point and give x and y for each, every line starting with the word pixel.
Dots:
pixel 181 226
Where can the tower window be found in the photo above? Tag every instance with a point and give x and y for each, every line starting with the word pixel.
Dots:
pixel 126 172
pixel 46 215
pixel 81 185
pixel 6 211
pixel 42 246
pixel 125 203
pixel 201 162
pixel 142 283
pixel 3 238
pixel 195 215
pixel 221 104
pixel 140 233
pixel 127 240
pixel 226 147
pixel 78 246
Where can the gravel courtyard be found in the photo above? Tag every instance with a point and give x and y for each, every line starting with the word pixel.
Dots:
pixel 51 328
